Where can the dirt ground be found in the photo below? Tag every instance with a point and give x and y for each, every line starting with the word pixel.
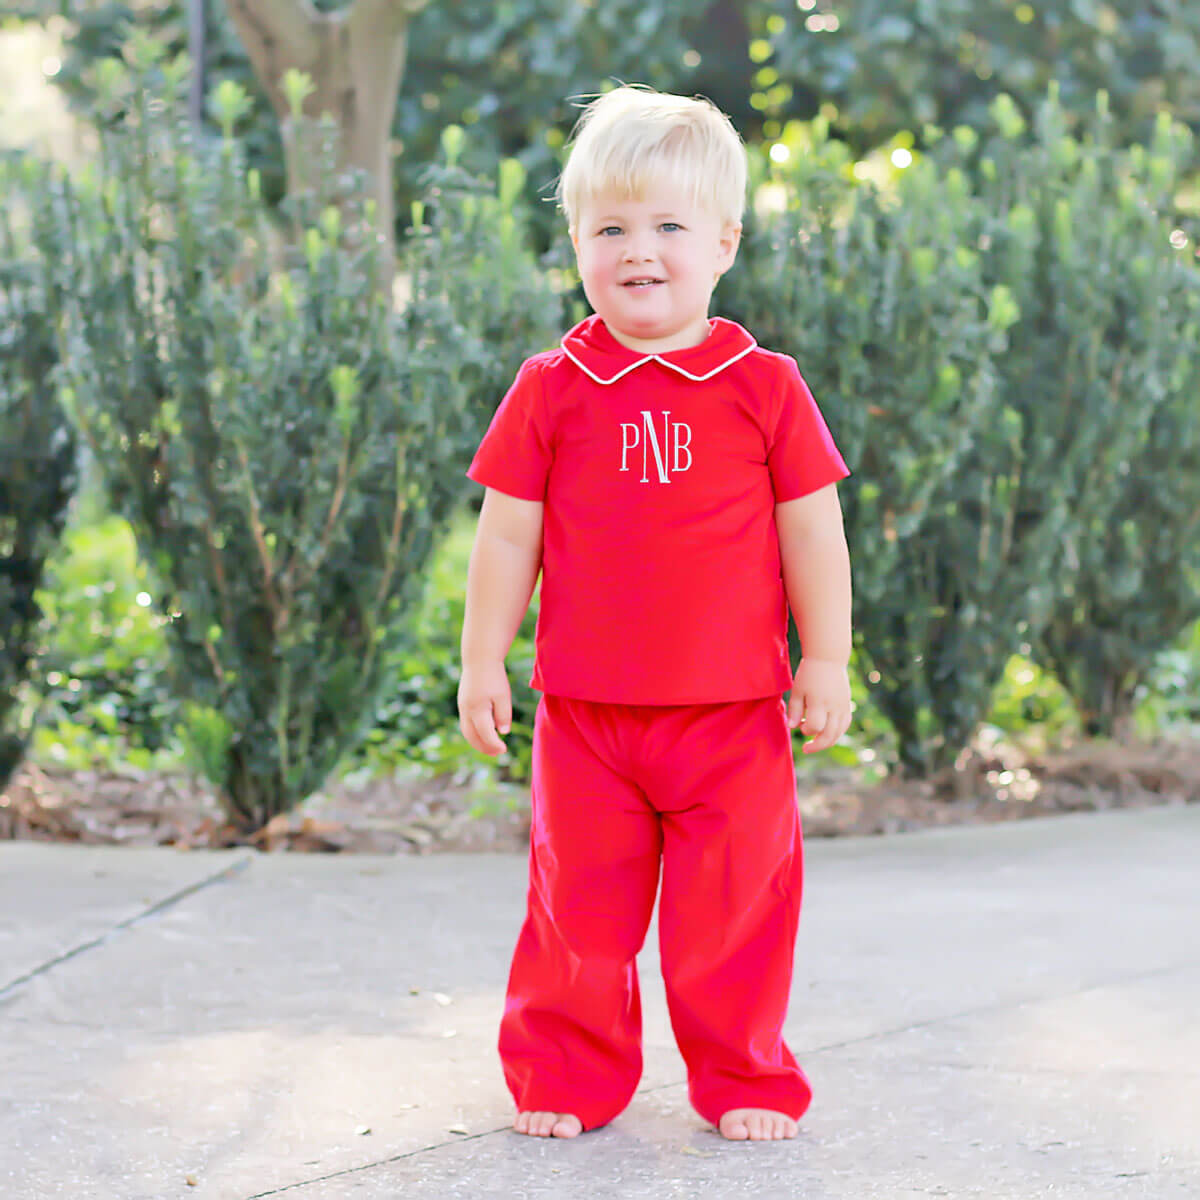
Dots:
pixel 424 815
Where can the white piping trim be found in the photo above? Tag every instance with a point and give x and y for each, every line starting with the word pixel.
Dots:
pixel 716 370
pixel 617 376
pixel 659 359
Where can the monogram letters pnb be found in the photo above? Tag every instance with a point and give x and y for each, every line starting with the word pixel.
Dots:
pixel 670 450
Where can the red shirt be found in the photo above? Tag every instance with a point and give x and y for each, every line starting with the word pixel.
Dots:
pixel 661 577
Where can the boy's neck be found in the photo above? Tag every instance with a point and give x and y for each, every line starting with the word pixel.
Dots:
pixel 683 340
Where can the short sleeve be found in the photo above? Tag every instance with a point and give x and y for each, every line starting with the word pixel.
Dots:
pixel 801 455
pixel 516 452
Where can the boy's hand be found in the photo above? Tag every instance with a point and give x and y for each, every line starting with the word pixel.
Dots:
pixel 820 702
pixel 485 706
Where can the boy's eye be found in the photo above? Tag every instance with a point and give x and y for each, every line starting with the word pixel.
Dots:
pixel 670 226
pixel 608 230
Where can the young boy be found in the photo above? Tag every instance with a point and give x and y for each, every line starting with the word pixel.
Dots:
pixel 675 485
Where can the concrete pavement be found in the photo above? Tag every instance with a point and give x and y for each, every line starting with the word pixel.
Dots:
pixel 1007 1012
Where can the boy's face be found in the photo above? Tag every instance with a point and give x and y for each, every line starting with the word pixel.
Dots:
pixel 649 265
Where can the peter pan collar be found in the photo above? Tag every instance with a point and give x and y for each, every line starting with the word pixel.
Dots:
pixel 594 350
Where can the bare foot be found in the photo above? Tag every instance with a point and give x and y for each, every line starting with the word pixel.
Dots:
pixel 548 1124
pixel 756 1125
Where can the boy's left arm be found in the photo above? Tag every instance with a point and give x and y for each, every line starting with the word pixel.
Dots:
pixel 816 575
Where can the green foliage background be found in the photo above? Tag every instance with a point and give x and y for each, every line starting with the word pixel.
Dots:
pixel 511 71
pixel 37 456
pixel 841 85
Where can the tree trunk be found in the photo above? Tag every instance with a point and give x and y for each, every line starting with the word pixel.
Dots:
pixel 355 57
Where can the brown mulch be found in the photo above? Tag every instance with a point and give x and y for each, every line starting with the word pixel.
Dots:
pixel 423 815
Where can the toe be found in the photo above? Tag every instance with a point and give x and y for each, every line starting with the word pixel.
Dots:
pixel 756 1124
pixel 567 1126
pixel 782 1126
pixel 734 1127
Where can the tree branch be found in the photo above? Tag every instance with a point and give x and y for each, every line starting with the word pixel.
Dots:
pixel 279 612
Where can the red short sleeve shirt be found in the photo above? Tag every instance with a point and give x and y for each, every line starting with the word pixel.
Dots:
pixel 661 575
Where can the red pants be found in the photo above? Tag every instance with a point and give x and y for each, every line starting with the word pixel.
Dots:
pixel 710 791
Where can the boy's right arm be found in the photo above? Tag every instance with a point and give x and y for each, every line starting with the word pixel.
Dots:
pixel 505 561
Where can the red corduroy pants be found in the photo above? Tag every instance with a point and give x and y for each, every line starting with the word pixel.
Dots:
pixel 708 791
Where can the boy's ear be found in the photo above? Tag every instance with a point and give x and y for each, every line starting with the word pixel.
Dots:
pixel 731 238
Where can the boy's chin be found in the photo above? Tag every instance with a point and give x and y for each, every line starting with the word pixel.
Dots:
pixel 660 341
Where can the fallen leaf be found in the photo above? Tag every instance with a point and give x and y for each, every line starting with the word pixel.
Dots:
pixel 416 834
pixel 459 1129
pixel 276 827
pixel 312 825
pixel 191 1181
pixel 362 1130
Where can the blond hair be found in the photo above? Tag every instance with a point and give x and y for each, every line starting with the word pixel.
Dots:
pixel 634 137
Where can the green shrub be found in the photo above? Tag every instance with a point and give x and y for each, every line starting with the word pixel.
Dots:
pixel 1103 471
pixel 1028 697
pixel 1136 588
pixel 286 447
pixel 887 313
pixel 282 444
pixel 37 448
pixel 104 657
pixel 1167 701
pixel 988 340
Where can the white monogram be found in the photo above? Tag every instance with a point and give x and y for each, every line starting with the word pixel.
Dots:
pixel 672 447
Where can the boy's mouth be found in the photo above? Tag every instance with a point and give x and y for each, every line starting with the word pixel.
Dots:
pixel 642 282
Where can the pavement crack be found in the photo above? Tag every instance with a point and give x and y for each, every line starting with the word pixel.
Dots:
pixel 883 1034
pixel 381 1162
pixel 11 987
pixel 1117 981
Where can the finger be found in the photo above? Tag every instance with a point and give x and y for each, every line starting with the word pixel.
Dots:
pixel 816 717
pixel 485 731
pixel 467 726
pixel 835 726
pixel 814 726
pixel 819 743
pixel 468 731
pixel 795 712
pixel 502 708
